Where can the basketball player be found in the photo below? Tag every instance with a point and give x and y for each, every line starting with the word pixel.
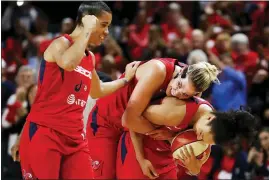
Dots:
pixel 154 77
pixel 137 158
pixel 53 144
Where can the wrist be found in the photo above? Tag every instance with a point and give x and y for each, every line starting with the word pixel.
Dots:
pixel 140 159
pixel 125 81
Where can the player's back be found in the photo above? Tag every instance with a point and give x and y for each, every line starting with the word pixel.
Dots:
pixel 62 96
pixel 113 106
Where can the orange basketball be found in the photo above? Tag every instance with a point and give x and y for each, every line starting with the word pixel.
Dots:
pixel 187 138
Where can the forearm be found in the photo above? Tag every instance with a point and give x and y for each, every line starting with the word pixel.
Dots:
pixel 138 124
pixel 137 140
pixel 109 87
pixel 72 57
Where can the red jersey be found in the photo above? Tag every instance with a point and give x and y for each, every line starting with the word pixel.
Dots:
pixel 62 96
pixel 113 106
pixel 164 147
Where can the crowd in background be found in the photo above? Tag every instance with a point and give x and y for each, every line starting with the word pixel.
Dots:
pixel 234 36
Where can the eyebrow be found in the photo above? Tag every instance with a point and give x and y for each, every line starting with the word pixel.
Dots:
pixel 104 22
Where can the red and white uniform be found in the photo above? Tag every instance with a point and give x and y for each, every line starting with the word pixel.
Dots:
pixel 53 139
pixel 105 128
pixel 157 152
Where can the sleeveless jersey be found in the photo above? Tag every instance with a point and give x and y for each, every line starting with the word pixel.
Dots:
pixel 113 106
pixel 62 96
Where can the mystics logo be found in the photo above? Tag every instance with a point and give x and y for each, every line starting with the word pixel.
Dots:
pixel 71 99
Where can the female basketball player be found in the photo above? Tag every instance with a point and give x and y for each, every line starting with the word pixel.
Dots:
pixel 153 78
pixel 53 143
pixel 138 159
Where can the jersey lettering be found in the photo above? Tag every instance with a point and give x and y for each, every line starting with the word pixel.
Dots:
pixel 83 71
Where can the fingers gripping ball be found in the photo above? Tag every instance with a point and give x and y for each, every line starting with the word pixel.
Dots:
pixel 188 138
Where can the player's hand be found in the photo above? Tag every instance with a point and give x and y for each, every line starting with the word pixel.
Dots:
pixel 131 69
pixel 161 134
pixel 148 169
pixel 189 160
pixel 15 150
pixel 90 22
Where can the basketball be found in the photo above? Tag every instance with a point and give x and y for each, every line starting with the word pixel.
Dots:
pixel 187 138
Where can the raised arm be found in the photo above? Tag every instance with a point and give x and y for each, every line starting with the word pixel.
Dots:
pixel 150 78
pixel 69 57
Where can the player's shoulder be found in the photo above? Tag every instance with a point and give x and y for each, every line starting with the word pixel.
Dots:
pixel 55 47
pixel 60 43
pixel 156 65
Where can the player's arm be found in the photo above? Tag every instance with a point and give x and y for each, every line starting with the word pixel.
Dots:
pixel 165 114
pixel 146 166
pixel 69 57
pixel 100 89
pixel 145 88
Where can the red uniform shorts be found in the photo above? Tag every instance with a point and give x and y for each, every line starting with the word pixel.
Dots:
pixel 47 154
pixel 129 168
pixel 103 138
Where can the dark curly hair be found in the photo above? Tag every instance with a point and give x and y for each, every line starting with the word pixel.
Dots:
pixel 226 126
pixel 91 8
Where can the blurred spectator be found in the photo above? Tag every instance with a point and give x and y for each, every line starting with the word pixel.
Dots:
pixel 184 28
pixel 222 44
pixel 233 163
pixel 112 59
pixel 138 35
pixel 214 15
pixel 198 39
pixel 232 92
pixel 10 134
pixel 196 56
pixel 25 15
pixel 156 46
pixel 258 156
pixel 7 87
pixel 12 51
pixel 244 59
pixel 67 26
pixel 260 19
pixel 179 50
pixel 169 26
pixel 34 40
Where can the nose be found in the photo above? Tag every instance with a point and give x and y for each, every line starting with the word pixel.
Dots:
pixel 199 135
pixel 106 32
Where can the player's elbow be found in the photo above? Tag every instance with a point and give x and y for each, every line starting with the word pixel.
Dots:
pixel 95 94
pixel 126 121
pixel 66 64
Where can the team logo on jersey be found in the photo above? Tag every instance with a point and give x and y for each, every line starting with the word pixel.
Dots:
pixel 85 88
pixel 83 71
pixel 26 175
pixel 95 165
pixel 71 99
pixel 78 86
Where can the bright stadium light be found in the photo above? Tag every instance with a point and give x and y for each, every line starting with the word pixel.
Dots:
pixel 20 3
